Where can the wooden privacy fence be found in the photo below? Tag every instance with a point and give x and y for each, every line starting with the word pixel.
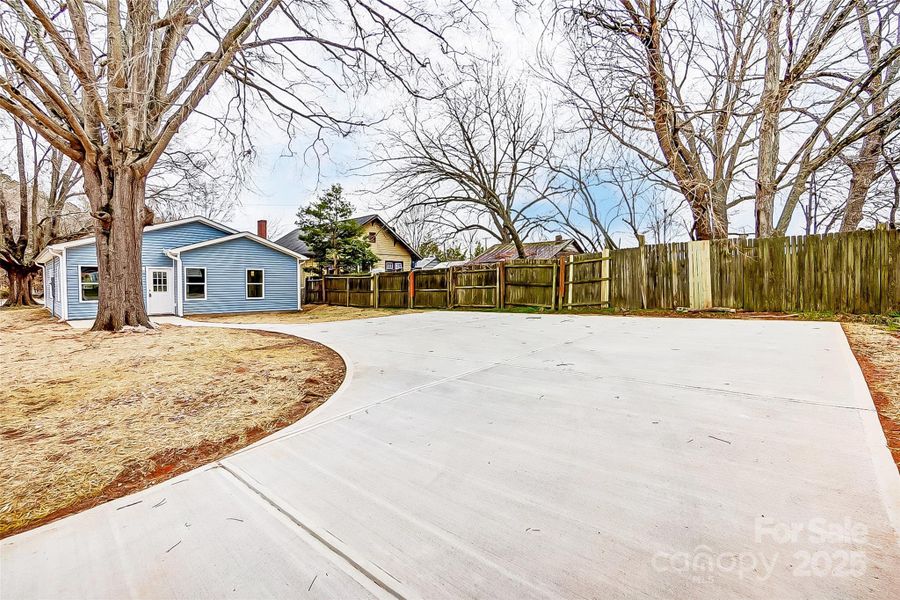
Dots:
pixel 572 281
pixel 314 291
pixel 856 272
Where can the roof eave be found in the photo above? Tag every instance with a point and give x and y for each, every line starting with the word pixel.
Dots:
pixel 245 235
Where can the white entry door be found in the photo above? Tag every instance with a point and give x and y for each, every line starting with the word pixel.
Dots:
pixel 160 291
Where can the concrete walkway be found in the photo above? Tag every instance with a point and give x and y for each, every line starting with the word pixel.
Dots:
pixel 514 456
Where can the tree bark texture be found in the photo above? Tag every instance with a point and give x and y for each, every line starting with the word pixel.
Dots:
pixel 20 281
pixel 116 195
pixel 770 108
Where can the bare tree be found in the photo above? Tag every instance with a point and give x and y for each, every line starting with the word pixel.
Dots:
pixel 420 225
pixel 602 191
pixel 46 189
pixel 838 104
pixel 787 65
pixel 878 43
pixel 669 81
pixel 188 182
pixel 110 86
pixel 477 162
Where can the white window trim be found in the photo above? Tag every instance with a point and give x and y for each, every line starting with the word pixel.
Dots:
pixel 179 284
pixel 187 283
pixel 247 284
pixel 81 285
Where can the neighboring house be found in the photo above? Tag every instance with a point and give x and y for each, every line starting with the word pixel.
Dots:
pixel 393 252
pixel 536 250
pixel 192 265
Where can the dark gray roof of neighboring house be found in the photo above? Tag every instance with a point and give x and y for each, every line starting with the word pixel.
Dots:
pixel 291 240
pixel 534 250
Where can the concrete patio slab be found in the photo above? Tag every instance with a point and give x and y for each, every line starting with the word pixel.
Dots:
pixel 520 456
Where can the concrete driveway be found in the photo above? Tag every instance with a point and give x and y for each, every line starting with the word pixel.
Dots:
pixel 515 456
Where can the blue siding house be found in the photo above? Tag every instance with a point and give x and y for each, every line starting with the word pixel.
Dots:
pixel 191 266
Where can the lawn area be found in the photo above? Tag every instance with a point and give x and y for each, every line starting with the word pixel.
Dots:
pixel 86 417
pixel 312 313
pixel 877 350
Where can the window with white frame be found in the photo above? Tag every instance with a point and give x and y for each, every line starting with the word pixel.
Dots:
pixel 195 283
pixel 89 282
pixel 393 265
pixel 255 283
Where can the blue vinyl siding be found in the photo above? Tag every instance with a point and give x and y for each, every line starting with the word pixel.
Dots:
pixel 153 248
pixel 85 256
pixel 226 265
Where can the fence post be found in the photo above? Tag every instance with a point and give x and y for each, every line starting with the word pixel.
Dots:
pixel 375 290
pixel 555 287
pixel 449 287
pixel 412 288
pixel 605 270
pixel 347 289
pixel 501 284
pixel 562 282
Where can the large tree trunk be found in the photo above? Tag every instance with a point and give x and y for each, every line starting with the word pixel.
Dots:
pixel 116 195
pixel 710 214
pixel 770 106
pixel 864 169
pixel 20 293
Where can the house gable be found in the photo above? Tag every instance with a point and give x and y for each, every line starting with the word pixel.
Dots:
pixel 226 264
pixel 156 242
pixel 386 244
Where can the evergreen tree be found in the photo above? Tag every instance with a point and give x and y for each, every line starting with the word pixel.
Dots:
pixel 442 253
pixel 333 238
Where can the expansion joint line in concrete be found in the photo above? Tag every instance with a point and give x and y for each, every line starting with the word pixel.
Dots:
pixel 243 480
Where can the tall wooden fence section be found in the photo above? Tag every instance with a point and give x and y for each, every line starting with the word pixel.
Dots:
pixel 856 272
pixel 475 287
pixel 392 290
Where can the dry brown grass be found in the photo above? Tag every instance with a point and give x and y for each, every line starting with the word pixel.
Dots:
pixel 878 351
pixel 89 416
pixel 312 313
